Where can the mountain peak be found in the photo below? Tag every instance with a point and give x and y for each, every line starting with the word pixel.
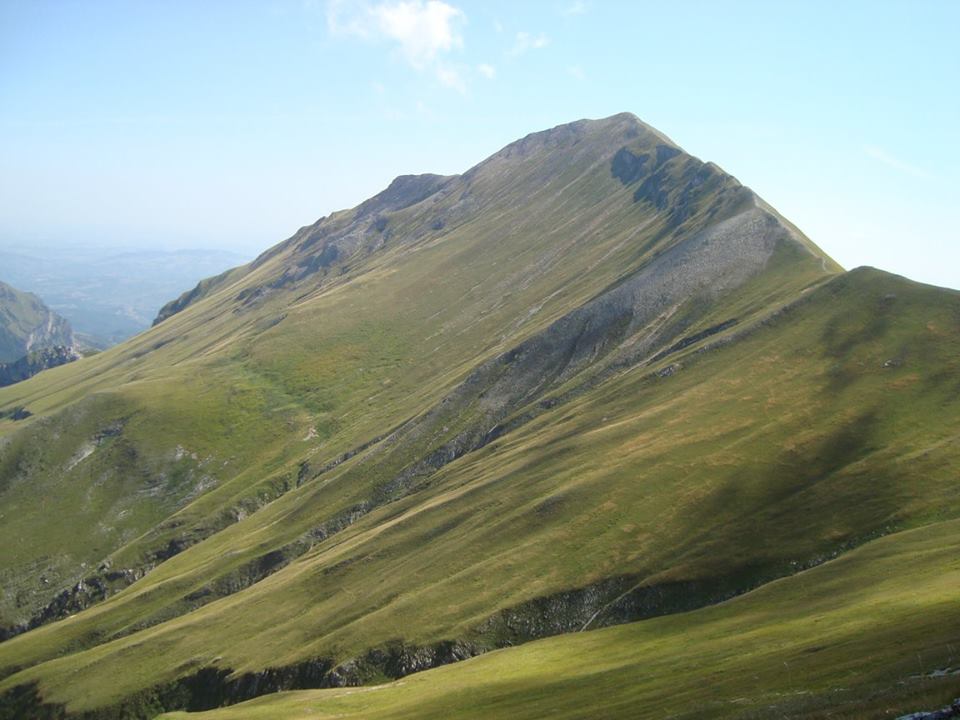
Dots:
pixel 616 130
pixel 631 126
pixel 618 170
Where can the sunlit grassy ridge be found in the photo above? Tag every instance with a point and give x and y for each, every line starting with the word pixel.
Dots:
pixel 569 397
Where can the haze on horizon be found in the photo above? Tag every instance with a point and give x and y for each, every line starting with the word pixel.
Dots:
pixel 229 125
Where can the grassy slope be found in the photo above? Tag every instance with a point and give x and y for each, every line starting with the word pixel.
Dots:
pixel 315 369
pixel 756 458
pixel 857 637
pixel 353 375
pixel 772 452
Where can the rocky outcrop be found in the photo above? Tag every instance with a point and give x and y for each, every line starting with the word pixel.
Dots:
pixel 27 326
pixel 944 713
pixel 201 290
pixel 88 591
pixel 36 361
pixel 213 686
pixel 16 413
pixel 321 246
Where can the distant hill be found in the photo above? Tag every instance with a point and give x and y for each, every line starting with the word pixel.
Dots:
pixel 109 294
pixel 32 336
pixel 27 324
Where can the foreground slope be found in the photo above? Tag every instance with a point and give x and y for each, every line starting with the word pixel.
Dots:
pixel 653 493
pixel 591 380
pixel 873 634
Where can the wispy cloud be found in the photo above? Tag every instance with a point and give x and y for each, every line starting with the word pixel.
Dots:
pixel 525 41
pixel 881 155
pixel 576 72
pixel 575 8
pixel 451 78
pixel 488 71
pixel 424 31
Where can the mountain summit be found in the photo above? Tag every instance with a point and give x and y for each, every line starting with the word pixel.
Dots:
pixel 614 172
pixel 590 381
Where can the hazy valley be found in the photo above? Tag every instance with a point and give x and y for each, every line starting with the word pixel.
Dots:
pixel 107 294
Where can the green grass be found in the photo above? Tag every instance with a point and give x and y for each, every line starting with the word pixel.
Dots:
pixel 857 637
pixel 748 464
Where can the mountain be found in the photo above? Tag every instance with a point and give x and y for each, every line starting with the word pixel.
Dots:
pixel 591 381
pixel 36 361
pixel 32 336
pixel 26 324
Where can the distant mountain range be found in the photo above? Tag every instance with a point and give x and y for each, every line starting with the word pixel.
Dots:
pixel 592 404
pixel 108 294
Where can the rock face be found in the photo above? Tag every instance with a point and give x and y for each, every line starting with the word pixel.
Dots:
pixel 32 336
pixel 26 324
pixel 945 713
pixel 36 361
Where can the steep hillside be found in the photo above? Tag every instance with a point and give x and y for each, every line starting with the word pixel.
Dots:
pixel 26 324
pixel 591 380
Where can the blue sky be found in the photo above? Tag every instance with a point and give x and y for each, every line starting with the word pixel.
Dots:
pixel 230 124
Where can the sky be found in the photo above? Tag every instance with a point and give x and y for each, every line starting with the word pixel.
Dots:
pixel 231 124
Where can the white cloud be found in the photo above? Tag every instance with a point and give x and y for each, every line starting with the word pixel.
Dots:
pixel 488 71
pixel 575 8
pixel 423 31
pixel 525 41
pixel 576 72
pixel 889 160
pixel 449 77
